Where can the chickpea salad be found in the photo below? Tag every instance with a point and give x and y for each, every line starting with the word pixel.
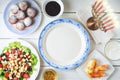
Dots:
pixel 17 62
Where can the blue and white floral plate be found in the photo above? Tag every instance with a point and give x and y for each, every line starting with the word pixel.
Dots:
pixel 64 44
pixel 32 28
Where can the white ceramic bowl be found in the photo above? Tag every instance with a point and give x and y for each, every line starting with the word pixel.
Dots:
pixel 112 49
pixel 61 8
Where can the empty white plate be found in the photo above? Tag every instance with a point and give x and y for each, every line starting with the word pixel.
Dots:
pixel 64 44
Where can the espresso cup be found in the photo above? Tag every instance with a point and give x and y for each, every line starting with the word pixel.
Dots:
pixel 53 8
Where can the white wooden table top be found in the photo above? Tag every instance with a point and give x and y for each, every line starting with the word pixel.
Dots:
pixel 71 7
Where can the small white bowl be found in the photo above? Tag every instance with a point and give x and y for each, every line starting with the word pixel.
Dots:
pixel 112 49
pixel 61 8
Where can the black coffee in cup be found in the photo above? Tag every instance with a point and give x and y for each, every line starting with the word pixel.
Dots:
pixel 52 8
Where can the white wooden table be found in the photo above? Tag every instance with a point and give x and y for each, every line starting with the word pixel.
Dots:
pixel 71 7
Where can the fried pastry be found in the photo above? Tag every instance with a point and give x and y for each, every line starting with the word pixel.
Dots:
pixel 97 74
pixel 94 71
pixel 91 65
pixel 101 68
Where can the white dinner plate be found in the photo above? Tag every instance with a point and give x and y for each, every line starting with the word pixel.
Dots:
pixel 28 30
pixel 26 44
pixel 64 44
pixel 101 60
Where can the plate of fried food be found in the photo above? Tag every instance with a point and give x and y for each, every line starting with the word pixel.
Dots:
pixel 22 16
pixel 96 67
